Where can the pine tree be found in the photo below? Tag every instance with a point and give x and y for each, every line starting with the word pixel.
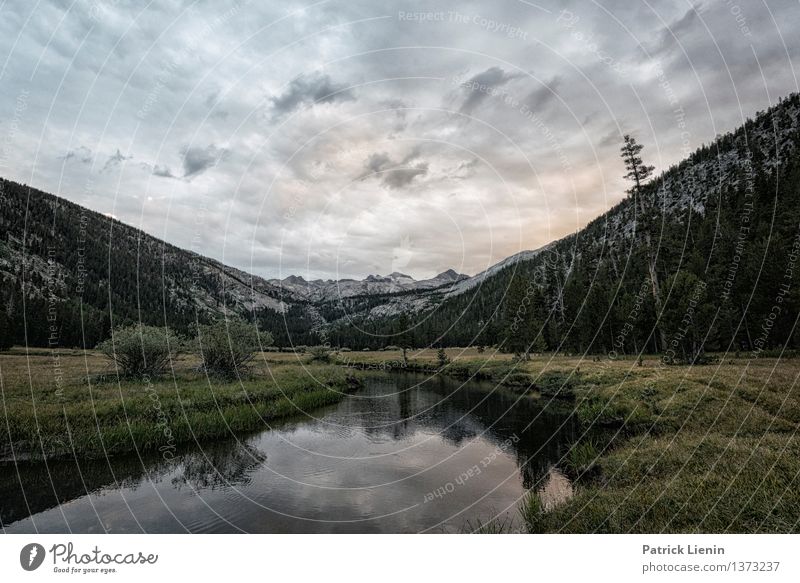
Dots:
pixel 6 333
pixel 639 172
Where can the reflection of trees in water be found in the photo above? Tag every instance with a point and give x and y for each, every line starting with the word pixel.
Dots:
pixel 40 486
pixel 210 466
pixel 462 412
pixel 543 435
pixel 542 446
pixel 458 414
pixel 218 466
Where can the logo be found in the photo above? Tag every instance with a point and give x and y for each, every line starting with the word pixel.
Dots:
pixel 31 556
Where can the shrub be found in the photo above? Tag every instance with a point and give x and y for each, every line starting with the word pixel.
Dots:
pixel 141 350
pixel 227 346
pixel 557 384
pixel 518 379
pixel 441 356
pixel 319 353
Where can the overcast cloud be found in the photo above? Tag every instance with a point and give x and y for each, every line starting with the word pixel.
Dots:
pixel 320 140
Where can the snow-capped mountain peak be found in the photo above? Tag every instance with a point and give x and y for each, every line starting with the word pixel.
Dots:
pixel 375 284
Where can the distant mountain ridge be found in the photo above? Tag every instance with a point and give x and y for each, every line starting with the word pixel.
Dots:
pixel 327 290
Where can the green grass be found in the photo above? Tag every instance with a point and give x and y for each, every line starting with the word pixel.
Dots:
pixel 98 419
pixel 531 512
pixel 692 483
pixel 702 449
pixel 582 457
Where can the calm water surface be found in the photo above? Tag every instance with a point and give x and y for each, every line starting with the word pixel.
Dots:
pixel 407 453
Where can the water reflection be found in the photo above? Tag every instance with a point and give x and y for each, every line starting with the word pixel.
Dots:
pixel 372 463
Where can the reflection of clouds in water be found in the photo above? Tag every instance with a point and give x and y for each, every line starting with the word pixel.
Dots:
pixel 556 490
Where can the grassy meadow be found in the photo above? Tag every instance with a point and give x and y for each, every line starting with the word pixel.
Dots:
pixel 710 448
pixel 75 406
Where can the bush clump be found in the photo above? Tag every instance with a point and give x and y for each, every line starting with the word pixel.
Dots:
pixel 226 347
pixel 319 353
pixel 557 384
pixel 518 379
pixel 140 350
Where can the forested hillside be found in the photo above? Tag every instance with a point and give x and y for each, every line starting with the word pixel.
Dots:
pixel 722 228
pixel 67 273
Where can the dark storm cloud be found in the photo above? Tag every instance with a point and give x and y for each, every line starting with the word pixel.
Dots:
pixel 539 98
pixel 197 160
pixel 310 89
pixel 163 171
pixel 81 154
pixel 114 160
pixel 670 35
pixel 375 163
pixel 394 174
pixel 400 177
pixel 483 85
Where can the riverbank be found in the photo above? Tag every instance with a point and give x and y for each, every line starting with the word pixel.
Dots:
pixel 711 448
pixel 469 364
pixel 686 449
pixel 52 411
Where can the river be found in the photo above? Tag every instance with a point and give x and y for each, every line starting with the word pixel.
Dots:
pixel 407 453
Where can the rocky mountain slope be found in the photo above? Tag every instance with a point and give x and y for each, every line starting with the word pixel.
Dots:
pixel 61 260
pixel 319 290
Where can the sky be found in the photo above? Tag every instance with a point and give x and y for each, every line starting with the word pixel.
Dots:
pixel 338 139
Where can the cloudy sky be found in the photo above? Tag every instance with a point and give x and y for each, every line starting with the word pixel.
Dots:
pixel 345 138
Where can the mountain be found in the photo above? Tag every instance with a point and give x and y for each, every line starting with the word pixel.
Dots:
pixel 704 256
pixel 319 290
pixel 84 270
pixel 718 233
